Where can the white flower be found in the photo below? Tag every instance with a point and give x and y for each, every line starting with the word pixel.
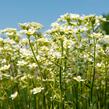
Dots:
pixel 83 28
pixel 68 43
pixel 25 52
pixel 24 41
pixel 22 63
pixel 78 79
pixel 3 61
pixel 10 41
pixel 69 16
pixel 74 16
pixel 32 65
pixel 28 25
pixel 104 40
pixel 99 65
pixel 23 32
pixel 57 55
pixel 97 35
pixel 36 90
pixel 31 31
pixel 5 67
pixel 23 78
pixel 54 53
pixel 42 41
pixel 38 57
pixel 101 18
pixel 9 31
pixel 14 95
pixel 75 30
pixel 66 29
pixel 55 24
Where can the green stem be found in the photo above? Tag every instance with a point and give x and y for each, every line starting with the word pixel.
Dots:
pixel 93 78
pixel 33 52
pixel 60 76
pixel 105 98
pixel 76 90
pixel 35 56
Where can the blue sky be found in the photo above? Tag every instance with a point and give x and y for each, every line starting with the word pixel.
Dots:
pixel 13 12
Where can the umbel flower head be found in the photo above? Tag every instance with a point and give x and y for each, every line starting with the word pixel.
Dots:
pixel 70 24
pixel 5 67
pixel 11 33
pixel 104 41
pixel 30 28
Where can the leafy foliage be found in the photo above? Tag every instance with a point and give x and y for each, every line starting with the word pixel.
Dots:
pixel 105 25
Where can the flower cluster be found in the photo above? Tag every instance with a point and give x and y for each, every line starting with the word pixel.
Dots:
pixel 30 28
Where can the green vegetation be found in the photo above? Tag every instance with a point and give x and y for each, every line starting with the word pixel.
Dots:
pixel 105 25
pixel 67 67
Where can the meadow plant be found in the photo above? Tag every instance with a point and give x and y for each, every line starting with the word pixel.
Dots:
pixel 66 67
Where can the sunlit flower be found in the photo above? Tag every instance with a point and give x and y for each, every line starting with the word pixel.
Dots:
pixel 54 53
pixel 14 95
pixel 99 65
pixel 69 16
pixel 36 90
pixel 78 79
pixel 55 25
pixel 43 41
pixel 68 43
pixel 29 25
pixel 24 41
pixel 25 52
pixel 104 40
pixel 5 67
pixel 96 35
pixel 9 30
pixel 32 65
pixel 3 61
pixel 57 55
pixel 74 16
pixel 9 41
pixel 22 63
